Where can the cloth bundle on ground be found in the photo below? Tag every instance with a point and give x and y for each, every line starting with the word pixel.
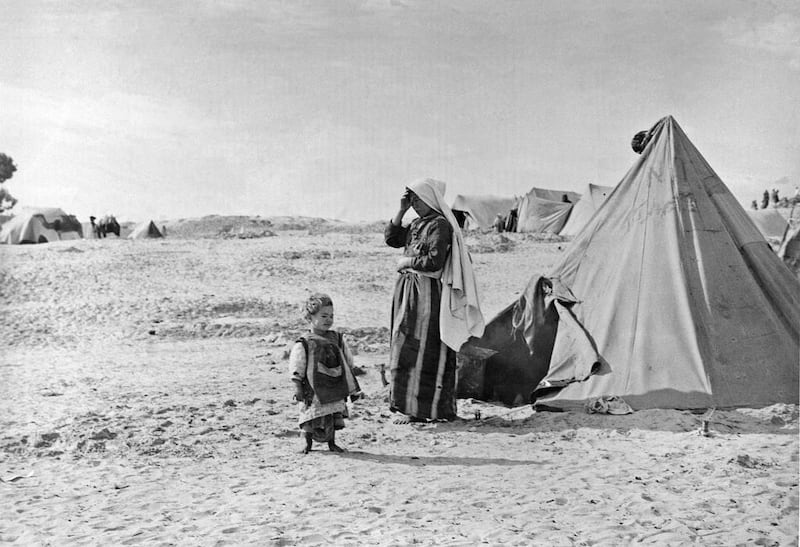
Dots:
pixel 608 404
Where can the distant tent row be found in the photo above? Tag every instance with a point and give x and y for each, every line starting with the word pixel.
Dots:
pixel 541 210
pixel 480 212
pixel 48 224
pixel 669 297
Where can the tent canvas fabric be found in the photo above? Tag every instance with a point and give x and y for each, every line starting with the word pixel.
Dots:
pixel 543 211
pixel 482 210
pixel 679 300
pixel 591 199
pixel 770 223
pixel 145 230
pixel 680 292
pixel 40 225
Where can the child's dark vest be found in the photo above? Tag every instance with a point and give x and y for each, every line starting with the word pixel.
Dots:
pixel 325 367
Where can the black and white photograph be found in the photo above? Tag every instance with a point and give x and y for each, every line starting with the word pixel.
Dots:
pixel 399 272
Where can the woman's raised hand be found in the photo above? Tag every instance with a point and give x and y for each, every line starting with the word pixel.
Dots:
pixel 405 200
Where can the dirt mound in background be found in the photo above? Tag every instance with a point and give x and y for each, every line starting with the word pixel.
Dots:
pixel 251 227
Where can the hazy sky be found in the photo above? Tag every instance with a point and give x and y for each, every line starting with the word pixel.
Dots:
pixel 170 109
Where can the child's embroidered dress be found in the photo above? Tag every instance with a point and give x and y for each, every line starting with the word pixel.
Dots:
pixel 323 365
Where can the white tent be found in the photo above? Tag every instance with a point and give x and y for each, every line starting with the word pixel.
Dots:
pixel 770 223
pixel 591 199
pixel 789 250
pixel 40 225
pixel 545 211
pixel 145 230
pixel 482 210
pixel 683 300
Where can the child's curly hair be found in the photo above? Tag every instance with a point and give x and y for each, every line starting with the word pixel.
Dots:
pixel 316 302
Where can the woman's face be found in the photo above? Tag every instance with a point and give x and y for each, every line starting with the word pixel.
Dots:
pixel 322 321
pixel 420 206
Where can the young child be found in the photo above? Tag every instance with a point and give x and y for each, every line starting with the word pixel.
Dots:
pixel 321 366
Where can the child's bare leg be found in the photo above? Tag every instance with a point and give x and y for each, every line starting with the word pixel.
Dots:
pixel 332 446
pixel 307 448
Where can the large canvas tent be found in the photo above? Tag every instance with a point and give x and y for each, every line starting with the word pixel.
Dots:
pixel 591 199
pixel 770 223
pixel 145 230
pixel 40 225
pixel 480 211
pixel 545 211
pixel 669 297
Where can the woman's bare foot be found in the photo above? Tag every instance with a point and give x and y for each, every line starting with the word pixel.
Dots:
pixel 333 447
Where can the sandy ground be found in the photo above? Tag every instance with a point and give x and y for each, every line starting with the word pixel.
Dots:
pixel 144 399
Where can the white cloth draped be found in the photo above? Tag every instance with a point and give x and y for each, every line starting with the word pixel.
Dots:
pixel 460 313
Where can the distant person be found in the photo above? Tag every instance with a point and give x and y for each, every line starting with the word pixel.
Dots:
pixel 435 306
pixel 511 221
pixel 765 199
pixel 754 205
pixel 499 223
pixel 775 197
pixel 322 372
pixel 164 230
pixel 565 199
pixel 94 225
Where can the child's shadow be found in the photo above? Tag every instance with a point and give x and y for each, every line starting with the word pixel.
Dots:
pixel 421 461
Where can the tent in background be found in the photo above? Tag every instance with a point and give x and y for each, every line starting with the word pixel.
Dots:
pixel 145 230
pixel 40 225
pixel 789 250
pixel 591 199
pixel 545 211
pixel 770 223
pixel 669 298
pixel 481 211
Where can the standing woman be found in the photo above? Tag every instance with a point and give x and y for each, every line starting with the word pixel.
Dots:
pixel 435 307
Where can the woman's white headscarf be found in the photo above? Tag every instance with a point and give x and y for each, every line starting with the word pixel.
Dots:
pixel 459 313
